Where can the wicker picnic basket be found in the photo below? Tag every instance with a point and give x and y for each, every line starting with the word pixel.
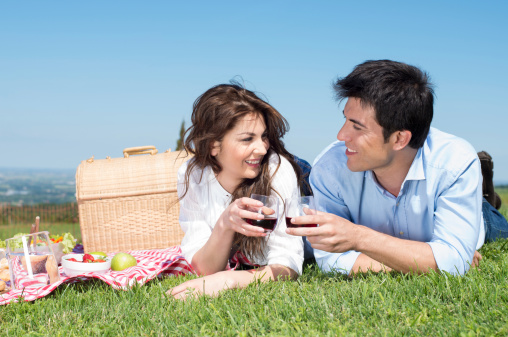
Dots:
pixel 129 203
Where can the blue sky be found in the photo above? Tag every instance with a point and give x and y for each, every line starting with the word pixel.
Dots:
pixel 91 78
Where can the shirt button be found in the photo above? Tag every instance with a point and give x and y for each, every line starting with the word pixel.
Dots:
pixel 401 233
pixel 397 205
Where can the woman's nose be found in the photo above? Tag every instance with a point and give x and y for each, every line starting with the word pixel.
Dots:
pixel 262 147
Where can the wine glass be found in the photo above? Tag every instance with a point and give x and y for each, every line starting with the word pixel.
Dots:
pixel 295 207
pixel 270 210
pixel 31 261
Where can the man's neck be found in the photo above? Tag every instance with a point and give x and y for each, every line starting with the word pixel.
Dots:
pixel 392 177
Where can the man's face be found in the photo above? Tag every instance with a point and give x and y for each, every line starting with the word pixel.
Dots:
pixel 366 147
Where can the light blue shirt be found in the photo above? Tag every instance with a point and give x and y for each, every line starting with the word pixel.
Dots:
pixel 439 202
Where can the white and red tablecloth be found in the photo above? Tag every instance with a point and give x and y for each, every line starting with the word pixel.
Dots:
pixel 150 264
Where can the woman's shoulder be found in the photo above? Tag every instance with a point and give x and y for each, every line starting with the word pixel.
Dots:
pixel 285 166
pixel 197 175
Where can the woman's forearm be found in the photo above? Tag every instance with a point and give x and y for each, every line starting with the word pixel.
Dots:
pixel 214 255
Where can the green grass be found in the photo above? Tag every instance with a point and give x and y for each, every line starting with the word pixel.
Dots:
pixel 503 193
pixel 317 304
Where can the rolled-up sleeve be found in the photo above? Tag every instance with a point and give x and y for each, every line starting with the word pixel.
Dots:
pixel 192 218
pixel 457 221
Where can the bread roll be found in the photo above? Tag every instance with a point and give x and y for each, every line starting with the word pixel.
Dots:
pixel 4 275
pixel 38 263
pixel 4 264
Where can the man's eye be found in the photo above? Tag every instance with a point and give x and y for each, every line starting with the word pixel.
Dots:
pixel 356 127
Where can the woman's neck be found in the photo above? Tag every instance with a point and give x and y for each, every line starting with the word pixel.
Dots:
pixel 227 184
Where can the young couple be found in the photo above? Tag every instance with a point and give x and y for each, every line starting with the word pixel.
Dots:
pixel 392 192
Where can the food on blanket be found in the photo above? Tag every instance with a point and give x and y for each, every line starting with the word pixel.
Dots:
pixel 66 241
pixel 87 258
pixel 4 264
pixel 4 275
pixel 38 263
pixel 123 261
pixel 78 264
pixel 101 254
pixel 2 285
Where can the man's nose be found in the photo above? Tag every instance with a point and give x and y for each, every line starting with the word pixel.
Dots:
pixel 343 134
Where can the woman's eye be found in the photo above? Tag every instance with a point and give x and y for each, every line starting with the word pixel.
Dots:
pixel 248 139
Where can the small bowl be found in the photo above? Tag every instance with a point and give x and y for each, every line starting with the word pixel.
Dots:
pixel 78 268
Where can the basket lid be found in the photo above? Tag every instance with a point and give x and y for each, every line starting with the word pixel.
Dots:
pixel 132 176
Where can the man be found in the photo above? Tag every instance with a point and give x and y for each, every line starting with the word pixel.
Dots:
pixel 395 194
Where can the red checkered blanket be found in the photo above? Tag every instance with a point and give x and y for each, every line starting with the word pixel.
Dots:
pixel 150 264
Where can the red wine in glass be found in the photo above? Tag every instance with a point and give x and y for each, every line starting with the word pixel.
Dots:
pixel 268 224
pixel 292 225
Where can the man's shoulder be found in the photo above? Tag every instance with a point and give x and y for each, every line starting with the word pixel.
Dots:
pixel 333 155
pixel 332 162
pixel 447 152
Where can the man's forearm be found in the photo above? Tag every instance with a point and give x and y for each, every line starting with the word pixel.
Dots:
pixel 387 251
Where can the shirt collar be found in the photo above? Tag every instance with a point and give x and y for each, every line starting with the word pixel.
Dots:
pixel 416 171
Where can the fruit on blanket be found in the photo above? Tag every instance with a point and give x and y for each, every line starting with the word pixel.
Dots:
pixel 122 261
pixel 101 254
pixel 88 258
pixel 2 285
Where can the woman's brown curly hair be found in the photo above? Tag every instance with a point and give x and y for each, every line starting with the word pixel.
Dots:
pixel 214 114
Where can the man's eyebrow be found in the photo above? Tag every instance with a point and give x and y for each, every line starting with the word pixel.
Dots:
pixel 353 120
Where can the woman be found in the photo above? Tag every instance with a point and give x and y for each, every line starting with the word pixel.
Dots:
pixel 235 139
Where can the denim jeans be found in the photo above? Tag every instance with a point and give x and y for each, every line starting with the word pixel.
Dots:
pixel 306 168
pixel 305 189
pixel 495 223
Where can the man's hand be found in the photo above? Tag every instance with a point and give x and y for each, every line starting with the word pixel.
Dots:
pixel 334 234
pixel 477 257
pixel 337 235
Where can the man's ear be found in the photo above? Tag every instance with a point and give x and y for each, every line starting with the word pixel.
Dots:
pixel 401 139
pixel 215 148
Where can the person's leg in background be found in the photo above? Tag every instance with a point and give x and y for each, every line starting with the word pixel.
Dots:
pixel 496 225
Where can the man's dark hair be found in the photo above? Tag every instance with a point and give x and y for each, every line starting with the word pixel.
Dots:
pixel 401 95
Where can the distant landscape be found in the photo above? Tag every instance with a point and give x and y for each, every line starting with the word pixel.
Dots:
pixel 46 186
pixel 37 186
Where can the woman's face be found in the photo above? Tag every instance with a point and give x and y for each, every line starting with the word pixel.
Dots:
pixel 241 151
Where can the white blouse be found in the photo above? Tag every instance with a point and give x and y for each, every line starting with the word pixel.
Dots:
pixel 206 200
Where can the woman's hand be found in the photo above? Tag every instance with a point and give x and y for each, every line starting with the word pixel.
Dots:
pixel 215 283
pixel 210 285
pixel 234 216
